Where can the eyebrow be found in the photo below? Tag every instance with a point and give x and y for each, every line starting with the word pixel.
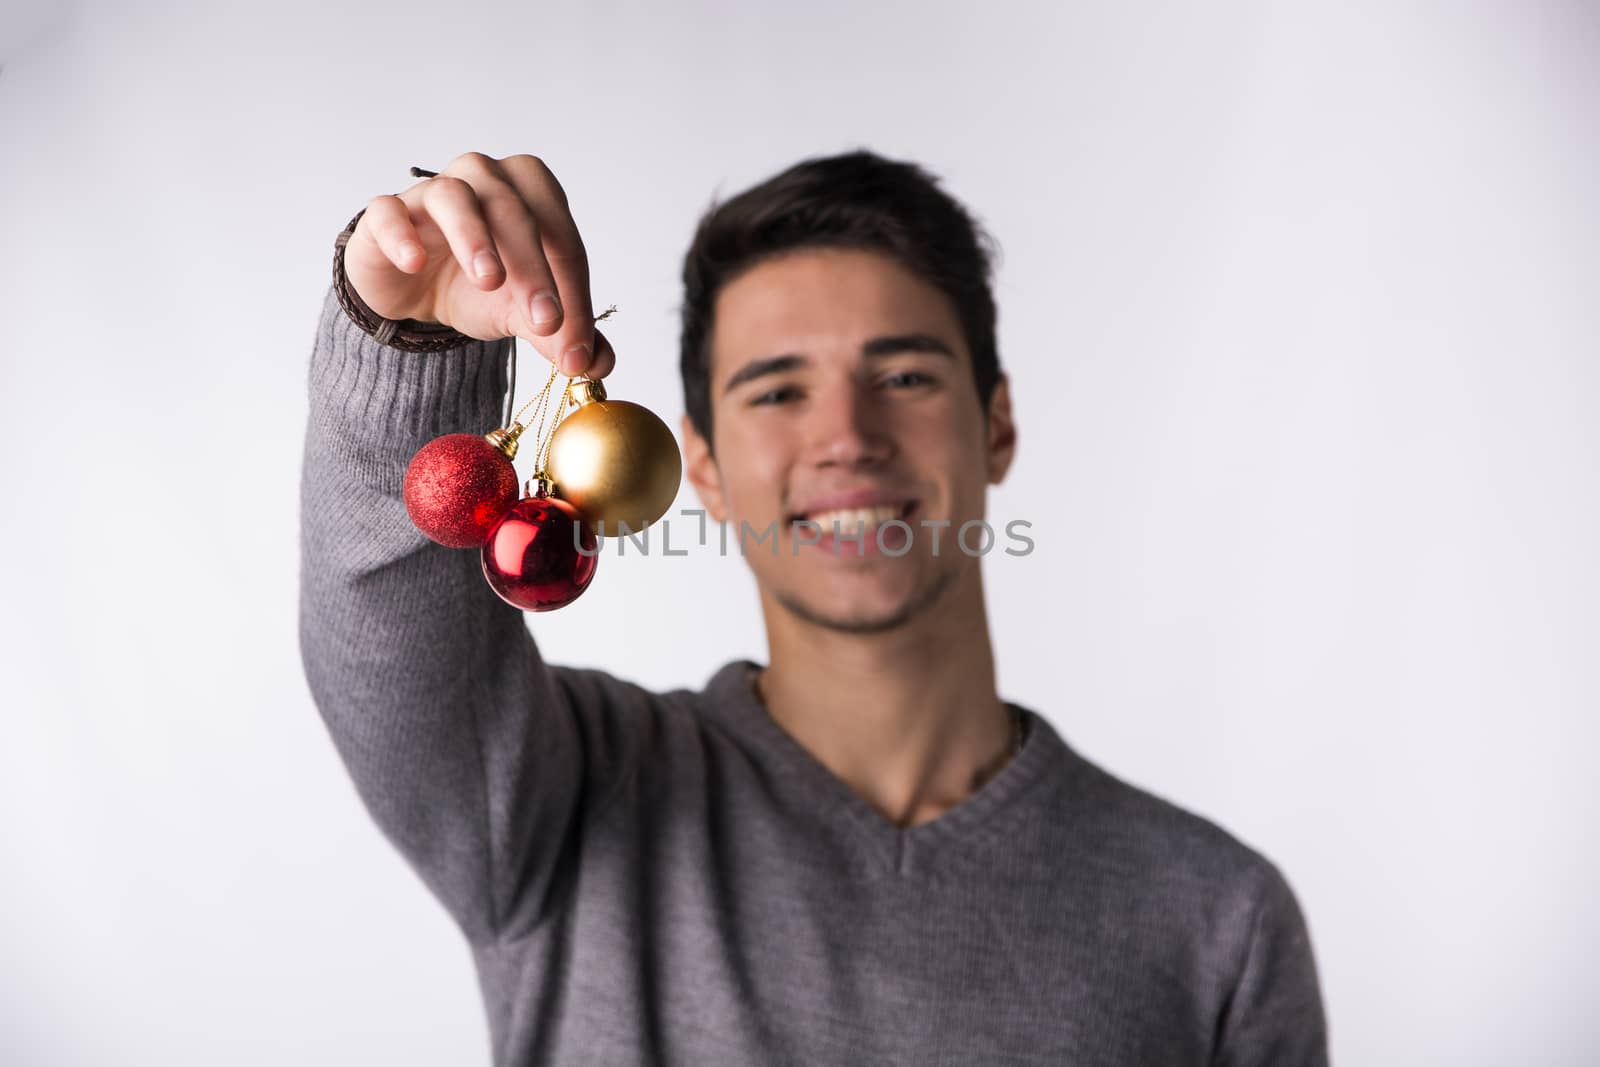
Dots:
pixel 890 345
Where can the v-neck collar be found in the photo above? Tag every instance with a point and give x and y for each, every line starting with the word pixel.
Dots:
pixel 985 816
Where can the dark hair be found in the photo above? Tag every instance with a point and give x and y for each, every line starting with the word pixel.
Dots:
pixel 854 200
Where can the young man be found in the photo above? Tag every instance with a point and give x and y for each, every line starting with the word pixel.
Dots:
pixel 858 853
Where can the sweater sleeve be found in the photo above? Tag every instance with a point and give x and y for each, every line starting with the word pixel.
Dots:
pixel 1275 1016
pixel 470 753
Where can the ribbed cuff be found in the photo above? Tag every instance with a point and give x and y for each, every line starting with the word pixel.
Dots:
pixel 378 404
pixel 394 400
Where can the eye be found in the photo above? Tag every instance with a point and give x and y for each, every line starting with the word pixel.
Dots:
pixel 908 379
pixel 775 396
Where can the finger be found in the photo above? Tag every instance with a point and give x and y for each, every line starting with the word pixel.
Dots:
pixel 455 208
pixel 605 357
pixel 388 221
pixel 541 309
pixel 565 256
pixel 533 307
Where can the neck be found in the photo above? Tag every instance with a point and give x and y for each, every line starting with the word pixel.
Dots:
pixel 908 719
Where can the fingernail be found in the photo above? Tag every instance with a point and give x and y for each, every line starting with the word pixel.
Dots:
pixel 544 308
pixel 575 360
pixel 485 264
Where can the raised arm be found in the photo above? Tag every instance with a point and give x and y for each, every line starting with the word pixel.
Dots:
pixel 473 756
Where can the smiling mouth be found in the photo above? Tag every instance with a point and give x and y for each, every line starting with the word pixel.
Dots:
pixel 864 518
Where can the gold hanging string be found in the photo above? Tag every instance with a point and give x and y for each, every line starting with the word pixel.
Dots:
pixel 542 457
pixel 539 404
pixel 541 436
pixel 554 369
pixel 506 437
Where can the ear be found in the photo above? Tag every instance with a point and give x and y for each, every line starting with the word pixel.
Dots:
pixel 701 467
pixel 1002 431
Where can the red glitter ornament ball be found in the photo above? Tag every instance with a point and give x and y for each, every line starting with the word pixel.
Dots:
pixel 532 557
pixel 457 487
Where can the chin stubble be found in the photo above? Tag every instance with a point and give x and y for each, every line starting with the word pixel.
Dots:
pixel 924 599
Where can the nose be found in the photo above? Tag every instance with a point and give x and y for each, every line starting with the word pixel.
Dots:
pixel 848 430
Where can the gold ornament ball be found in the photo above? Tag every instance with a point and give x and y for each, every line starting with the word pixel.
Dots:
pixel 614 461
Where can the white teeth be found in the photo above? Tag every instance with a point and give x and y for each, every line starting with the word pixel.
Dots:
pixel 852 519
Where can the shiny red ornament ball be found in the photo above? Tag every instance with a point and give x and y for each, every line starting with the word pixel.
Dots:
pixel 532 559
pixel 457 487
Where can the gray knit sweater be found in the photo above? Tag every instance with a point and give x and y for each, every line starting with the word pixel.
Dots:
pixel 671 878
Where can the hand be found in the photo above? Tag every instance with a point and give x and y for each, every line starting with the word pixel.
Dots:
pixel 488 248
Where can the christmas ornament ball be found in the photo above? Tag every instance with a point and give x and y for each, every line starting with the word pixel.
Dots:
pixel 457 487
pixel 531 558
pixel 615 461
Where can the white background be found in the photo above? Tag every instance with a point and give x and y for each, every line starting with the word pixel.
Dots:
pixel 1299 304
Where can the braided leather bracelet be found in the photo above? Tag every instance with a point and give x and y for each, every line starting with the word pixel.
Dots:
pixel 410 335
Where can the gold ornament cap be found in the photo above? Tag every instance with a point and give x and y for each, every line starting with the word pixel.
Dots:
pixel 505 438
pixel 587 391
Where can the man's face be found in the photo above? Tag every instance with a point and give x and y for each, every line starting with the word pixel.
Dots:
pixel 842 391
